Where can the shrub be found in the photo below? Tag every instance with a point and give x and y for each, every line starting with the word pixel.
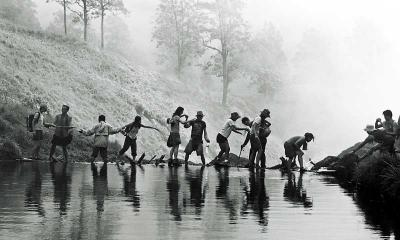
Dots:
pixel 10 150
pixel 4 125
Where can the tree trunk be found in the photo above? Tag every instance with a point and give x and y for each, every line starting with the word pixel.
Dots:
pixel 85 20
pixel 179 63
pixel 224 77
pixel 102 24
pixel 65 17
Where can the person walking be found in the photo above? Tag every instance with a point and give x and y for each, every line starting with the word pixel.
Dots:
pixel 174 139
pixel 131 131
pixel 62 134
pixel 223 135
pixel 196 139
pixel 101 132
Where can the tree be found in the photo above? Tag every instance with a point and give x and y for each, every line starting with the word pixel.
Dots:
pixel 118 38
pixel 84 10
pixel 177 33
pixel 104 6
pixel 64 4
pixel 21 12
pixel 264 60
pixel 224 32
pixel 56 25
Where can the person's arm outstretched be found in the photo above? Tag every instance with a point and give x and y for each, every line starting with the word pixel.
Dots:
pixel 148 127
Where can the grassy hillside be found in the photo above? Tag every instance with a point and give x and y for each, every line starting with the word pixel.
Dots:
pixel 40 68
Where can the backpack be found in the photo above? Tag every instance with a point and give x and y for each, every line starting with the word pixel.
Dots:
pixel 30 120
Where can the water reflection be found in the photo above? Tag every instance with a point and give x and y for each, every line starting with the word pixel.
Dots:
pixel 294 191
pixel 231 204
pixel 33 192
pixel 194 178
pixel 173 188
pixel 62 186
pixel 256 196
pixel 100 185
pixel 129 181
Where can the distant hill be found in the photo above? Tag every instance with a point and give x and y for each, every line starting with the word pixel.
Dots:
pixel 37 67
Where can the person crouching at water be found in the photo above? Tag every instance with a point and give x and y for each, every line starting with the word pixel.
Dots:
pixel 174 139
pixel 101 131
pixel 130 131
pixel 293 149
pixel 196 139
pixel 385 143
pixel 223 135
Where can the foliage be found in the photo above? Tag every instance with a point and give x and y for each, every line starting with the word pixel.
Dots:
pixel 21 12
pixel 224 31
pixel 264 62
pixel 177 32
pixel 56 26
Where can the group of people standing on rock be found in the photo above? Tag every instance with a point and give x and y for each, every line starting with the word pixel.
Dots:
pixel 257 130
pixel 386 136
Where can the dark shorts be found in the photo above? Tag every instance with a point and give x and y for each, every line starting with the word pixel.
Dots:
pixel 255 143
pixel 174 139
pixel 61 141
pixel 102 150
pixel 129 143
pixel 221 139
pixel 194 146
pixel 38 135
pixel 290 150
pixel 223 143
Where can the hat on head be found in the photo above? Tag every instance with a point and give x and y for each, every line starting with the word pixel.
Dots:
pixel 43 106
pixel 199 113
pixel 265 112
pixel 235 114
pixel 369 128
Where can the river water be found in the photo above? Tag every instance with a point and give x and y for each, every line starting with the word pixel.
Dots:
pixel 79 201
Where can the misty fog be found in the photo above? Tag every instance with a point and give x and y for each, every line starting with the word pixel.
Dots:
pixel 341 55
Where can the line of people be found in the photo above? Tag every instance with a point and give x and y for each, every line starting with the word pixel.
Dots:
pixel 257 130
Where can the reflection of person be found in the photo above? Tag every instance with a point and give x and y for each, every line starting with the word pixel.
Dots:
pixel 130 184
pixel 100 185
pixel 196 138
pixel 257 195
pixel 294 192
pixel 62 185
pixel 222 192
pixel 33 191
pixel 62 134
pixel 195 180
pixel 173 187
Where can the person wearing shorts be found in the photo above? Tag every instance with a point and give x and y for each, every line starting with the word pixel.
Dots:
pixel 101 132
pixel 131 131
pixel 293 149
pixel 62 134
pixel 223 135
pixel 174 139
pixel 196 139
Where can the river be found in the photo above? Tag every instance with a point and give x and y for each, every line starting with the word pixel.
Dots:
pixel 79 201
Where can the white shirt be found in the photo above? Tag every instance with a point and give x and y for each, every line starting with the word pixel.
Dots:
pixel 255 127
pixel 227 129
